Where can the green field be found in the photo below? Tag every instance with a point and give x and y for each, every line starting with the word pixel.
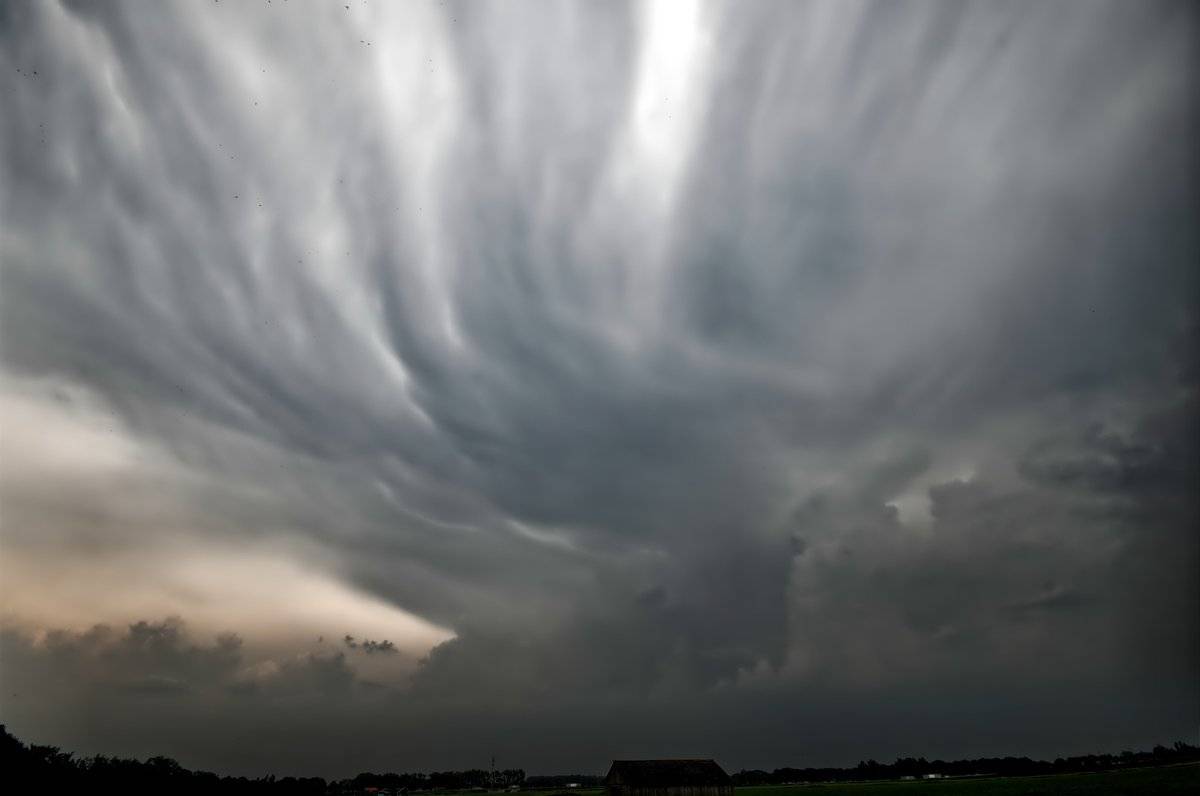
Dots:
pixel 1167 779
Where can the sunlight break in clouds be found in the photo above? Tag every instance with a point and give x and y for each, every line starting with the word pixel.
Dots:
pixel 143 558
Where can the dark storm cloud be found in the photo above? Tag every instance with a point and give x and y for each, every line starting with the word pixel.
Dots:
pixel 369 646
pixel 665 360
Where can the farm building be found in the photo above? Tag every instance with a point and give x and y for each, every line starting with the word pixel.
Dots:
pixel 689 777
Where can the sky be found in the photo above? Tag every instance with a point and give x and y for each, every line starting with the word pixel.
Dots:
pixel 392 386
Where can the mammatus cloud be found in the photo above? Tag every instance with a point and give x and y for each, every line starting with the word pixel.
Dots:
pixel 797 383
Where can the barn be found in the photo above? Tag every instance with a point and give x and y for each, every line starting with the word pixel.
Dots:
pixel 682 777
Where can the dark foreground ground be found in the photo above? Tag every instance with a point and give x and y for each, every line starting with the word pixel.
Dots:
pixel 1164 779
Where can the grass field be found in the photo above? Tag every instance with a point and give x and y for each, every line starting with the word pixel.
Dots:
pixel 1167 779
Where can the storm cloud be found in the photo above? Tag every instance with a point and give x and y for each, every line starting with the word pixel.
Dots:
pixel 791 383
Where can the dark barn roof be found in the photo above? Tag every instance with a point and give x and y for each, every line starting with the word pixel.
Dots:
pixel 666 773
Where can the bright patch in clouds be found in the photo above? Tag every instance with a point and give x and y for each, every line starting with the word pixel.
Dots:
pixel 131 512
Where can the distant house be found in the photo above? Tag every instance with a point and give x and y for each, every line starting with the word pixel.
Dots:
pixel 687 777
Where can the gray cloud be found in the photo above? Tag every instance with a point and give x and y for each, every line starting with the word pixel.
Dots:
pixel 664 361
pixel 369 646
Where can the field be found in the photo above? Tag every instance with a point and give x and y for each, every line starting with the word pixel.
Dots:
pixel 1166 779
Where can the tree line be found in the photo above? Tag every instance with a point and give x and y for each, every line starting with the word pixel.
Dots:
pixel 1180 752
pixel 50 770
pixel 31 768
